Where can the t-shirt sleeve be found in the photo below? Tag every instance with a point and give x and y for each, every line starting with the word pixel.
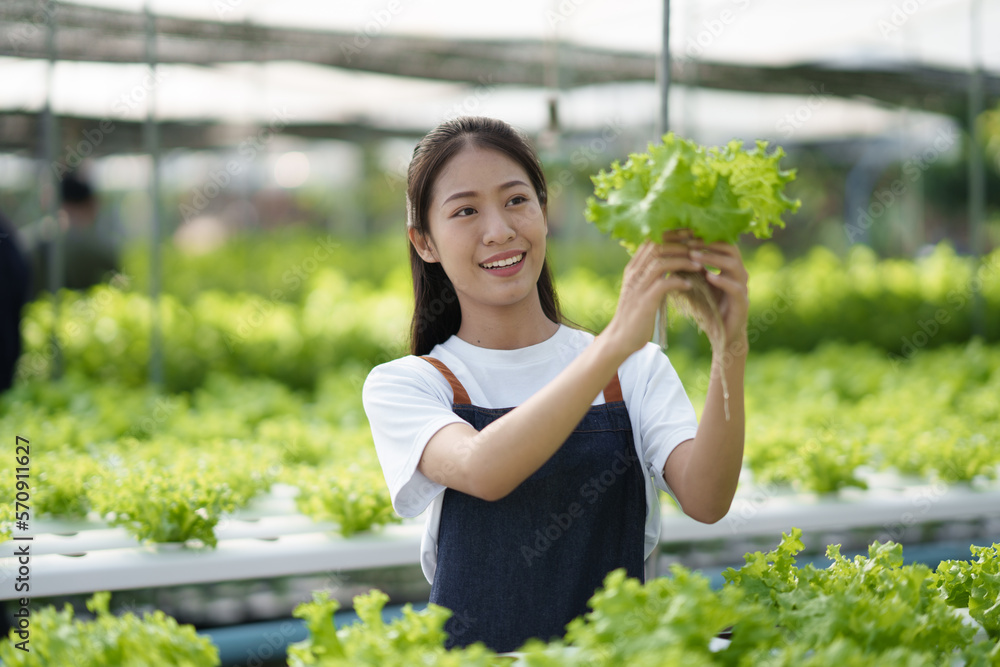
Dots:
pixel 407 401
pixel 660 409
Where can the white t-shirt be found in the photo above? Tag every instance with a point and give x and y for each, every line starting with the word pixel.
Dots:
pixel 408 400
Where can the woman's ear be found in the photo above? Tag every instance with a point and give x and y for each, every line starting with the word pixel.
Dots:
pixel 423 244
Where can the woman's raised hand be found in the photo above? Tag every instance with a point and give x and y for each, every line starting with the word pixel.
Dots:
pixel 647 279
pixel 651 274
pixel 728 287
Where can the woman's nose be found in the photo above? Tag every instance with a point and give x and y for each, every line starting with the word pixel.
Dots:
pixel 498 229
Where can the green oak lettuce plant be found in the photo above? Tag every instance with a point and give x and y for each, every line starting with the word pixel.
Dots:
pixel 819 297
pixel 865 610
pixel 417 638
pixel 716 193
pixel 64 479
pixel 58 638
pixel 976 585
pixel 352 496
pixel 168 493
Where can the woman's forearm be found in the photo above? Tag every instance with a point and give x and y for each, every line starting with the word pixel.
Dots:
pixel 707 481
pixel 491 463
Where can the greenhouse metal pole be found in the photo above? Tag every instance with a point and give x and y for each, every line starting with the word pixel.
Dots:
pixel 977 177
pixel 662 127
pixel 652 565
pixel 664 71
pixel 50 186
pixel 152 140
pixel 551 139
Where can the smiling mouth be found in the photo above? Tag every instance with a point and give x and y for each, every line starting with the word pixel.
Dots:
pixel 504 263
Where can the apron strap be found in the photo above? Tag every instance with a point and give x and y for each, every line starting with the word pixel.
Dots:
pixel 461 396
pixel 612 392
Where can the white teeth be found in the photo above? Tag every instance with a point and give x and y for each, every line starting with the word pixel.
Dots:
pixel 503 262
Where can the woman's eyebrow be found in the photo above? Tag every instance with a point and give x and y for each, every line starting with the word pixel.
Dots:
pixel 471 193
pixel 459 195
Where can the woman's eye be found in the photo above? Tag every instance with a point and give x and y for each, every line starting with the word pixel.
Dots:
pixel 517 199
pixel 463 212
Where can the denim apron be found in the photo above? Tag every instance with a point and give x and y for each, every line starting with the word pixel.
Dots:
pixel 525 565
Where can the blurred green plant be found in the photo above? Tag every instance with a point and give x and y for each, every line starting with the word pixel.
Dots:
pixel 57 638
pixel 165 491
pixel 901 307
pixel 354 496
pixel 816 422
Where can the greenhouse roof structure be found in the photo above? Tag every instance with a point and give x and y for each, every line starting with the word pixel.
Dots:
pixel 394 68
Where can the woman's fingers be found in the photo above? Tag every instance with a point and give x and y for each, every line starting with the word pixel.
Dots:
pixel 729 266
pixel 725 257
pixel 671 271
pixel 676 284
pixel 728 285
pixel 659 263
pixel 659 268
pixel 651 274
pixel 653 260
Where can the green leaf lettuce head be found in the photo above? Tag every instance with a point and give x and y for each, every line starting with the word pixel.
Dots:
pixel 415 638
pixel 126 640
pixel 976 585
pixel 717 193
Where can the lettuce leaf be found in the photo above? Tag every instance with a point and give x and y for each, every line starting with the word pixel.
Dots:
pixel 974 584
pixel 718 193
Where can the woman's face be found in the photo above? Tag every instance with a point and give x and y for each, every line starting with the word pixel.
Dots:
pixel 487 229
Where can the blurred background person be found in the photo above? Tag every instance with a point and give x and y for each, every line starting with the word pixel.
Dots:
pixel 90 254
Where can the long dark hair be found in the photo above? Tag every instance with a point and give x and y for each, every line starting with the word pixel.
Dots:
pixel 437 314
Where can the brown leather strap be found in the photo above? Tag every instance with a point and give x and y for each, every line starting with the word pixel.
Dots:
pixel 613 392
pixel 461 396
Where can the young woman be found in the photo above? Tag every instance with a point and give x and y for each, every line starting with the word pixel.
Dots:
pixel 538 447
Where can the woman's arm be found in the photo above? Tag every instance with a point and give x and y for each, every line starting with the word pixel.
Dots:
pixel 491 463
pixel 703 472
